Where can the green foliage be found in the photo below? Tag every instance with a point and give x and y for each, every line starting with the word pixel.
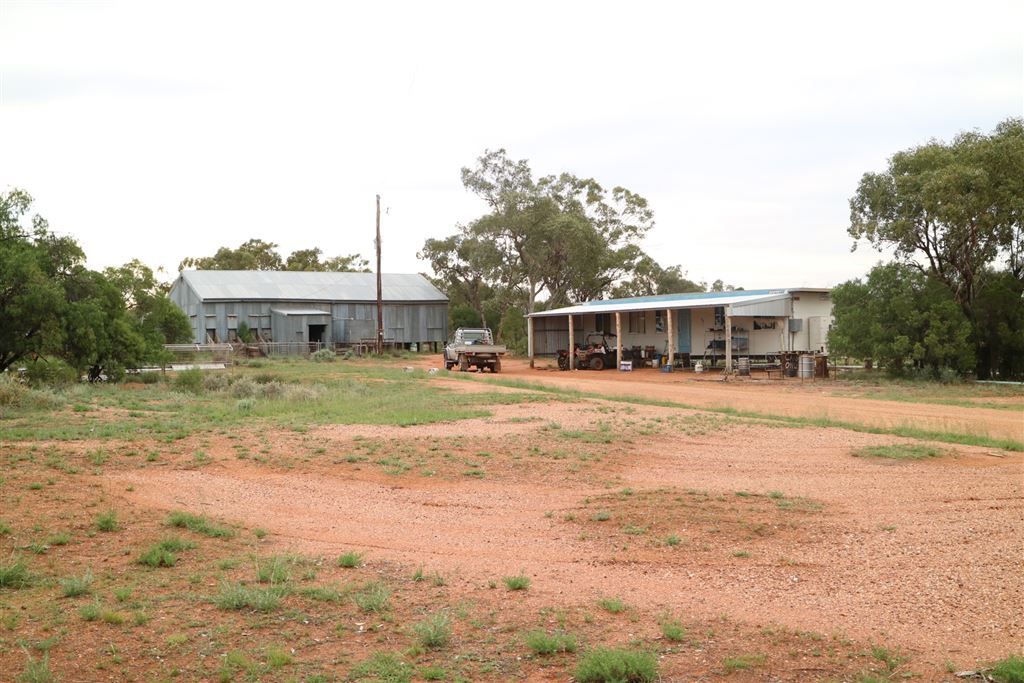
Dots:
pixel 611 665
pixel 434 632
pixel 903 319
pixel 74 586
pixel 350 560
pixel 255 254
pixel 198 524
pixel 245 334
pixel 742 662
pixel 164 553
pixel 673 630
pixel 956 206
pixel 956 210
pixel 324 356
pixel 190 380
pixel 107 521
pixel 236 596
pixel 37 671
pixel 14 574
pixel 613 605
pixel 1009 670
pixel 541 643
pixel 372 597
pixel 519 582
pixel 382 667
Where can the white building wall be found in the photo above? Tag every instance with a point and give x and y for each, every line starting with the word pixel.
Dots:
pixel 807 305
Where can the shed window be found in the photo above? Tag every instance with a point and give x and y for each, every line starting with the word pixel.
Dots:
pixel 638 322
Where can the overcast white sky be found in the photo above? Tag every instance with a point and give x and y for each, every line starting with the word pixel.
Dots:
pixel 160 130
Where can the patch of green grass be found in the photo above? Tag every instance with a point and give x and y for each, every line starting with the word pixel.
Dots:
pixel 899 451
pixel 62 538
pixel 613 605
pixel 74 586
pixel 107 521
pixel 616 665
pixel 90 612
pixel 519 582
pixel 275 569
pixel 601 516
pixel 5 528
pixel 278 657
pixel 1009 670
pixel 164 553
pixel 36 671
pixel 372 597
pixel 236 596
pixel 541 643
pixel 382 667
pixel 434 632
pixel 890 658
pixel 673 630
pixel 199 524
pixel 742 662
pixel 350 560
pixel 672 540
pixel 322 593
pixel 433 673
pixel 15 574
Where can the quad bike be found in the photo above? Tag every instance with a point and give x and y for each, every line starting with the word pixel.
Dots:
pixel 598 354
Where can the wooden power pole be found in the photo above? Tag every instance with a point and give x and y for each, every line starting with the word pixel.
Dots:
pixel 380 294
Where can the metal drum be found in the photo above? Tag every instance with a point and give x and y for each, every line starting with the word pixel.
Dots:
pixel 743 366
pixel 806 367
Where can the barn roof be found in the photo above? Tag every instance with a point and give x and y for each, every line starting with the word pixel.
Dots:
pixel 269 285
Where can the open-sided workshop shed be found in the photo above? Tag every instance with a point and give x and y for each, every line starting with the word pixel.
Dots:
pixel 708 326
pixel 310 307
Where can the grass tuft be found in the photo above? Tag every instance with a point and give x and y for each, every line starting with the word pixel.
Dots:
pixel 613 605
pixel 373 597
pixel 15 574
pixel 541 643
pixel 199 524
pixel 36 671
pixel 382 667
pixel 236 596
pixel 612 665
pixel 434 632
pixel 74 586
pixel 107 521
pixel 1009 670
pixel 742 662
pixel 350 560
pixel 517 583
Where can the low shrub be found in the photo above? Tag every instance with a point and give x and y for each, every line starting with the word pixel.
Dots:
pixel 517 583
pixel 373 597
pixel 190 381
pixel 323 356
pixel 434 632
pixel 1009 670
pixel 540 643
pixel 235 596
pixel 107 521
pixel 74 586
pixel 15 574
pixel 350 560
pixel 612 665
pixel 199 524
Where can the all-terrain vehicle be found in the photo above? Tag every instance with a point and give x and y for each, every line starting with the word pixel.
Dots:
pixel 473 347
pixel 597 354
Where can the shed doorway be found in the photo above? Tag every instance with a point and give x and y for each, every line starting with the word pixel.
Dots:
pixel 316 333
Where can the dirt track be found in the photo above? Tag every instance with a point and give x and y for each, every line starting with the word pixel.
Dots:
pixel 924 554
pixel 791 397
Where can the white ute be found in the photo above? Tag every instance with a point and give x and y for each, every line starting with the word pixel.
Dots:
pixel 473 347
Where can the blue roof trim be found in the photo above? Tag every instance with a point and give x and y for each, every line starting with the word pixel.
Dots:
pixel 689 296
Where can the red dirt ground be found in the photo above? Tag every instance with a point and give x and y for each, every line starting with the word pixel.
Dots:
pixel 924 554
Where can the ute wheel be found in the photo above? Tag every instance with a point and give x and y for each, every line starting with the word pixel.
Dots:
pixel 448 365
pixel 597 363
pixel 497 365
pixel 563 362
pixel 463 363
